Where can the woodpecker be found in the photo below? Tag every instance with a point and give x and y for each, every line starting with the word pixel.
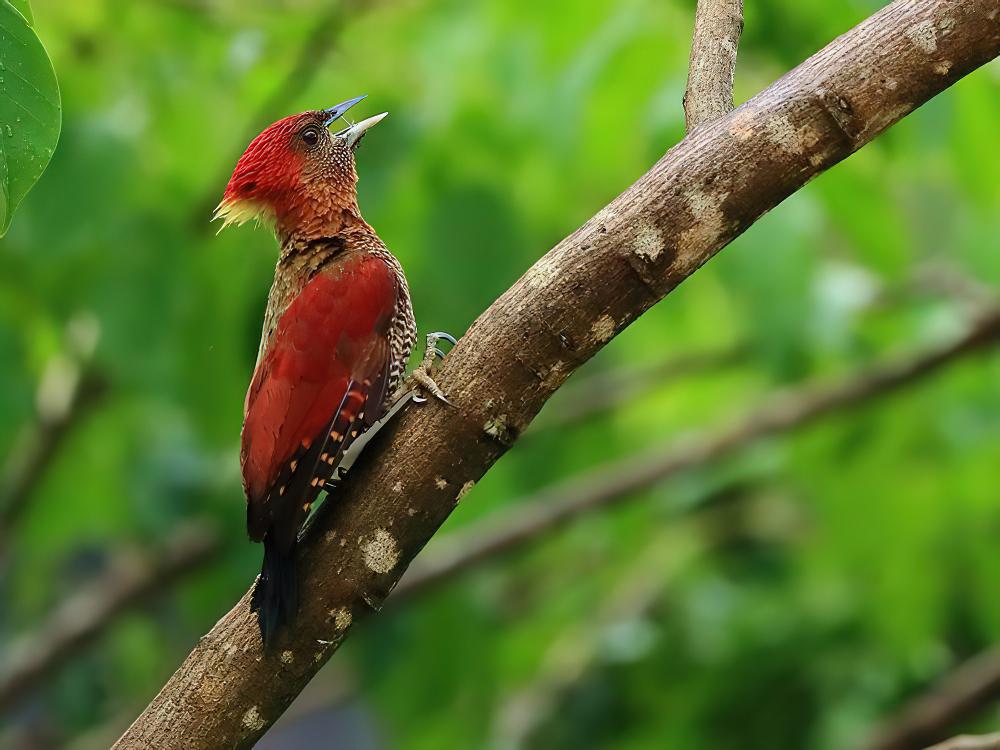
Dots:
pixel 338 331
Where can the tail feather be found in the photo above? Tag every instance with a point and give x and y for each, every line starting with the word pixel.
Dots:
pixel 276 595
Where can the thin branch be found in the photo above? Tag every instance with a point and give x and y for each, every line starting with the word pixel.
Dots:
pixel 131 578
pixel 967 690
pixel 718 25
pixel 696 199
pixel 615 483
pixel 604 392
pixel 68 390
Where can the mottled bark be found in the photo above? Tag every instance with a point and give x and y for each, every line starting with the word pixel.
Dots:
pixel 718 25
pixel 697 198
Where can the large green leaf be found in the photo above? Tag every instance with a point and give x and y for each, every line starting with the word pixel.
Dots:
pixel 30 114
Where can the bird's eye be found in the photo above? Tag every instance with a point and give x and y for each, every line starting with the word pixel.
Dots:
pixel 311 136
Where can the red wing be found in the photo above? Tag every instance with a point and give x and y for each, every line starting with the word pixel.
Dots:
pixel 327 363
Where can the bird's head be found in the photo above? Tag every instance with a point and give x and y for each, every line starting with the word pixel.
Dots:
pixel 299 175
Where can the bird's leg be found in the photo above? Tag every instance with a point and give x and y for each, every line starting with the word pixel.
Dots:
pixel 422 377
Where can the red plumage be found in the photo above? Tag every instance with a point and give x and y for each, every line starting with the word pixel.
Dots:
pixel 334 334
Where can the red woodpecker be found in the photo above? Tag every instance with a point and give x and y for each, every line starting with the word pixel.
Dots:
pixel 338 331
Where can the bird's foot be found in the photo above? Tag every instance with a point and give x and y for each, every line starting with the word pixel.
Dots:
pixel 423 377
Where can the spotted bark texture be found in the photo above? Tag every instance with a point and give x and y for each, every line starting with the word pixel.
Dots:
pixel 699 196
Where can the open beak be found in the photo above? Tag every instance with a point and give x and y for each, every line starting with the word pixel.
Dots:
pixel 338 111
pixel 353 134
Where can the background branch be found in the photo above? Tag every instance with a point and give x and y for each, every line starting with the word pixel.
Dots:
pixel 68 390
pixel 718 25
pixel 970 688
pixel 696 199
pixel 131 577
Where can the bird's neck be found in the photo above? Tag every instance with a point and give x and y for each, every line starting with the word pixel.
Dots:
pixel 330 221
pixel 318 209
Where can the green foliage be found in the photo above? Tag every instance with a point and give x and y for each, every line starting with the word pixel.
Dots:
pixel 849 563
pixel 30 114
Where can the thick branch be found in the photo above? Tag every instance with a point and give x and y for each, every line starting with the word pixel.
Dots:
pixel 717 28
pixel 131 577
pixel 696 199
pixel 972 687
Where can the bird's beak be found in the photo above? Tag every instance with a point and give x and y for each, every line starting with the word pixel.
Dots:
pixel 353 134
pixel 338 111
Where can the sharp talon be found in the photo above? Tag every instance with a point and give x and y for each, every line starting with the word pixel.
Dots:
pixel 438 353
pixel 418 399
pixel 446 336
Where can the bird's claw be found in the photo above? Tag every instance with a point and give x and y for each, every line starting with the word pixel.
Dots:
pixel 422 376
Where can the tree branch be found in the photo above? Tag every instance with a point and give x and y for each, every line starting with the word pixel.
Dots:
pixel 971 687
pixel 718 25
pixel 698 197
pixel 131 577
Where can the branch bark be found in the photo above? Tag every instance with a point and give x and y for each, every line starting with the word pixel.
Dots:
pixel 131 578
pixel 696 199
pixel 971 687
pixel 718 25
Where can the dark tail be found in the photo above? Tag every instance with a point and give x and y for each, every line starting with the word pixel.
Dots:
pixel 276 595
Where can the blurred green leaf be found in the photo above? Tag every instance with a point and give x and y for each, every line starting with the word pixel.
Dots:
pixel 30 113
